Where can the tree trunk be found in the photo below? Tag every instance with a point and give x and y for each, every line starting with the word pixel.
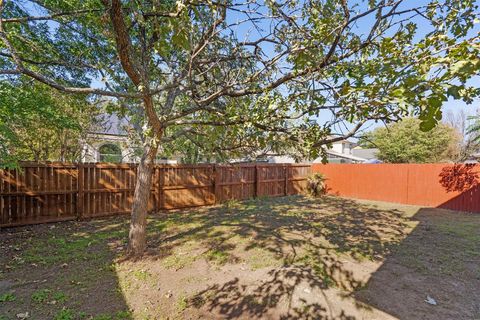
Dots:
pixel 138 72
pixel 137 239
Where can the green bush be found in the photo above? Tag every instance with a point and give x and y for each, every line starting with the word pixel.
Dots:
pixel 316 185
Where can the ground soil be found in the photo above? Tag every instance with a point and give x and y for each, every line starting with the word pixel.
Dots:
pixel 278 258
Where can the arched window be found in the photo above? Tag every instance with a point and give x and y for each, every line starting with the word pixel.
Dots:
pixel 110 153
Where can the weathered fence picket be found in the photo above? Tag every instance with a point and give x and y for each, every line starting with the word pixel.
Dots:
pixel 48 192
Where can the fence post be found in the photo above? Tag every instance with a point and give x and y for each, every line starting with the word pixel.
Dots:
pixel 285 169
pixel 161 185
pixel 156 187
pixel 255 184
pixel 80 188
pixel 216 183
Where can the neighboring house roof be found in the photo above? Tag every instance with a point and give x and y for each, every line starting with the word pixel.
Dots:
pixel 341 155
pixel 344 155
pixel 370 153
pixel 342 141
pixel 111 124
pixel 116 125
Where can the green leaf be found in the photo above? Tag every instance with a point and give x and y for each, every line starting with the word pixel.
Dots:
pixel 453 91
pixel 434 102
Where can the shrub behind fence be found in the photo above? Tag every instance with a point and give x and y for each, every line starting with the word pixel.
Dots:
pixel 51 192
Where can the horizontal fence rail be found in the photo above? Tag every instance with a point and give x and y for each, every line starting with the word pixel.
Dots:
pixel 38 193
pixel 449 186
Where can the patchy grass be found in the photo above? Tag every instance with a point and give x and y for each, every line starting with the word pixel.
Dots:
pixel 178 261
pixel 7 297
pixel 48 297
pixel 258 258
pixel 142 275
pixel 41 296
pixel 216 256
pixel 289 257
pixel 65 314
pixel 182 303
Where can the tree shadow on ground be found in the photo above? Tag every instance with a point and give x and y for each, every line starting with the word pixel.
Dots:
pixel 311 239
pixel 439 259
pixel 283 225
pixel 233 300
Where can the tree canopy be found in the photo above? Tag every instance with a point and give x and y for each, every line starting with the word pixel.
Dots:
pixel 405 142
pixel 291 62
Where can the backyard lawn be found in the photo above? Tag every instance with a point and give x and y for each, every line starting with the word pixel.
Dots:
pixel 277 258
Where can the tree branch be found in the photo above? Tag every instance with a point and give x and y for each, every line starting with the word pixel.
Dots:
pixel 49 17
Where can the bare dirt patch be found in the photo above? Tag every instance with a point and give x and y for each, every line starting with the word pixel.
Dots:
pixel 280 258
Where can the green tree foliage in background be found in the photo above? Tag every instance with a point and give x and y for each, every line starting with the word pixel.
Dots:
pixel 38 123
pixel 405 142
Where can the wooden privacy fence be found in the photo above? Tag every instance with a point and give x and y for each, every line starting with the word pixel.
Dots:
pixel 449 186
pixel 51 192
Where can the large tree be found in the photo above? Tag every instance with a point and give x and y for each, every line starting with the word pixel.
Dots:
pixel 265 70
pixel 405 142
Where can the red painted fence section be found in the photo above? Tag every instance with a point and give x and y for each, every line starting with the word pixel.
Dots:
pixel 449 186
